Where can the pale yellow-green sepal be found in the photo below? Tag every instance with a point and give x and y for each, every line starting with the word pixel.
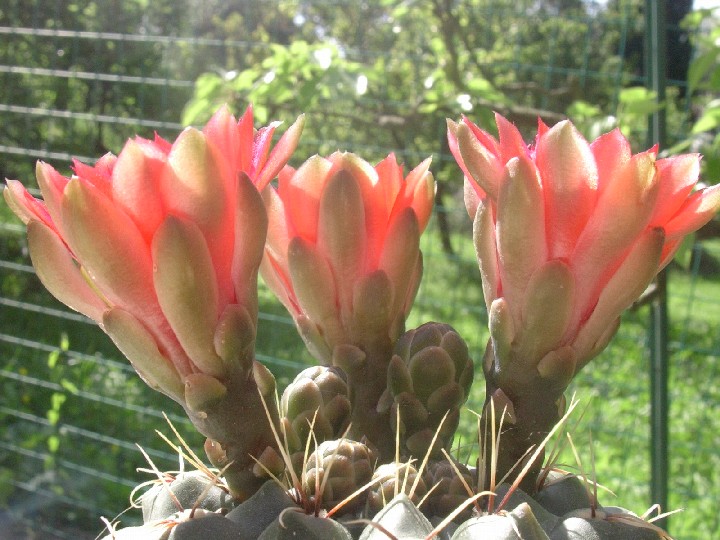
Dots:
pixel 202 392
pixel 193 185
pixel 234 338
pixel 400 254
pixel 372 297
pixel 315 288
pixel 60 274
pixel 520 228
pixel 486 251
pixel 547 310
pixel 251 225
pixel 108 245
pixel 140 348
pixel 187 290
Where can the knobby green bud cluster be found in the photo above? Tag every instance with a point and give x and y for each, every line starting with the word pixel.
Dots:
pixel 428 381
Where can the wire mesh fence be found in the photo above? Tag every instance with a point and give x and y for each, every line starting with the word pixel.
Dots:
pixel 78 79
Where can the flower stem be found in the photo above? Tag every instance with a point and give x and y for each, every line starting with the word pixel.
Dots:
pixel 532 409
pixel 238 429
pixel 367 379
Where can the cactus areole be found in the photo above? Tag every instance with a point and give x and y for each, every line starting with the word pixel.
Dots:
pixel 162 245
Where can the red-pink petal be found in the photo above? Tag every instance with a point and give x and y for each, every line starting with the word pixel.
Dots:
pixel 99 175
pixel 261 147
pixel 246 137
pixel 58 271
pixel 301 194
pixel 696 212
pixel 612 151
pixel 109 245
pixel 487 140
pixel 678 175
pixel 136 187
pixel 52 184
pixel 280 154
pixel 380 198
pixel 24 205
pixel 569 179
pixel 511 141
pixel 483 162
pixel 222 131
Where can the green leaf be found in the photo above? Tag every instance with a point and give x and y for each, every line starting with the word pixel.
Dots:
pixel 69 386
pixel 700 67
pixel 53 417
pixel 6 487
pixel 53 358
pixel 638 100
pixel 583 110
pixel 64 342
pixel 683 256
pixel 709 120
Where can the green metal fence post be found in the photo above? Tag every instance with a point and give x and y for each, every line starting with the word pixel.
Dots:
pixel 655 62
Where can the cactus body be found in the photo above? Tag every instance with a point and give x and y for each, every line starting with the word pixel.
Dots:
pixel 339 467
pixel 189 490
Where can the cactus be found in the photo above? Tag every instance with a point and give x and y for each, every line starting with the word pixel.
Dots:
pixel 391 479
pixel 194 489
pixel 429 377
pixel 317 400
pixel 335 471
pixel 448 490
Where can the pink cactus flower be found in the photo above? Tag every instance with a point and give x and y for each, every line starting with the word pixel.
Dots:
pixel 161 245
pixel 568 234
pixel 343 250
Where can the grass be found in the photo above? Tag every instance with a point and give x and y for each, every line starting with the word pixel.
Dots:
pixel 71 409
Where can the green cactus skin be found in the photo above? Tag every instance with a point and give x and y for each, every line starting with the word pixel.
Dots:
pixel 401 518
pixel 600 529
pixel 186 488
pixel 293 525
pixel 366 371
pixel 212 526
pixel 259 511
pixel 543 515
pixel 563 493
pixel 231 444
pixel 271 514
